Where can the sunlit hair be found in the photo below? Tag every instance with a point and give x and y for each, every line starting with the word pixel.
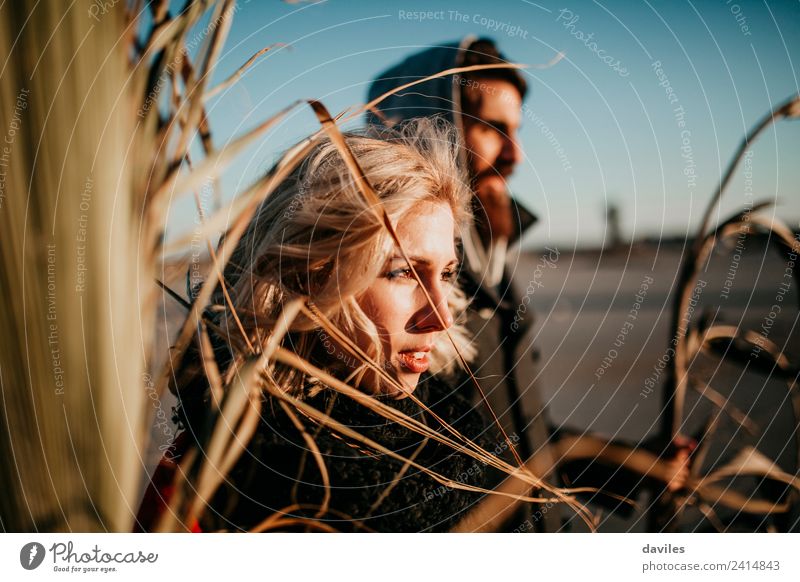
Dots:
pixel 316 236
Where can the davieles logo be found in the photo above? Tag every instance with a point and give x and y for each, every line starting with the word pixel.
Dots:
pixel 31 555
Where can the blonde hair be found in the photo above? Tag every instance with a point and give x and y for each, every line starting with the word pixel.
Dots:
pixel 317 237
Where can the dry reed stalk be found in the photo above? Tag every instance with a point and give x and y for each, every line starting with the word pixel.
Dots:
pixel 688 345
pixel 71 357
pixel 691 263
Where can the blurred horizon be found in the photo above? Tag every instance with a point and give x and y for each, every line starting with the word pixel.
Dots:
pixel 643 113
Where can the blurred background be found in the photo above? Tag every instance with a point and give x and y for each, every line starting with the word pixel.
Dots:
pixel 639 118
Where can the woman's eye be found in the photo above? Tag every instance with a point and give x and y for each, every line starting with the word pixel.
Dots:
pixel 404 273
pixel 449 276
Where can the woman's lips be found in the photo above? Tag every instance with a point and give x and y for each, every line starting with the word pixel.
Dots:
pixel 415 361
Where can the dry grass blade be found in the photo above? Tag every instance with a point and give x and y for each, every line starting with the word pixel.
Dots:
pixel 170 520
pixel 235 412
pixel 280 515
pixel 254 196
pixel 179 181
pixel 790 246
pixel 751 461
pixel 786 109
pixel 290 521
pixel 223 285
pixel 316 453
pixel 398 476
pixel 673 400
pixel 236 400
pixel 239 72
pixel 221 22
pixel 711 516
pixel 210 367
pixel 734 500
pixel 348 432
pixel 685 339
pixel 165 31
pixel 724 404
pixel 524 475
pixel 704 446
pixel 246 202
pixel 493 510
pixel 454 71
pixel 386 411
pixel 350 346
pixel 247 428
pixel 741 224
pixel 752 339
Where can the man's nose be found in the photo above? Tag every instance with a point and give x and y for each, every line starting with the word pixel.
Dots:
pixel 511 152
pixel 436 317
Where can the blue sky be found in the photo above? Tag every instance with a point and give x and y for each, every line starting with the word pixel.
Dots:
pixel 727 63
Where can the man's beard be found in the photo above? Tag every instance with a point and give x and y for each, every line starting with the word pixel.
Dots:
pixel 492 208
pixel 502 172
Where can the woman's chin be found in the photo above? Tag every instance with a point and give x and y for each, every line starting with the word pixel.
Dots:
pixel 408 383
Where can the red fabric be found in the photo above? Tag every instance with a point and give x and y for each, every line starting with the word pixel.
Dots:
pixel 160 490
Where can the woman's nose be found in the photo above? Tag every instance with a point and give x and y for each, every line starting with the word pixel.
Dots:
pixel 436 317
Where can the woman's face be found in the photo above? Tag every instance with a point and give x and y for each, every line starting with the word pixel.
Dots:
pixel 407 324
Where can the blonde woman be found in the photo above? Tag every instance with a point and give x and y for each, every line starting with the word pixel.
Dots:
pixel 317 237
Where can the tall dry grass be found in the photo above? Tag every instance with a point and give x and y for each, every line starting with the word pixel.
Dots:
pixel 124 106
pixel 71 354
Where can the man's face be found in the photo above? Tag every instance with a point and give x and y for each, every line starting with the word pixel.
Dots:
pixel 491 119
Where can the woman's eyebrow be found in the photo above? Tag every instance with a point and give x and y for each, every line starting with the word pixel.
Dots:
pixel 421 260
